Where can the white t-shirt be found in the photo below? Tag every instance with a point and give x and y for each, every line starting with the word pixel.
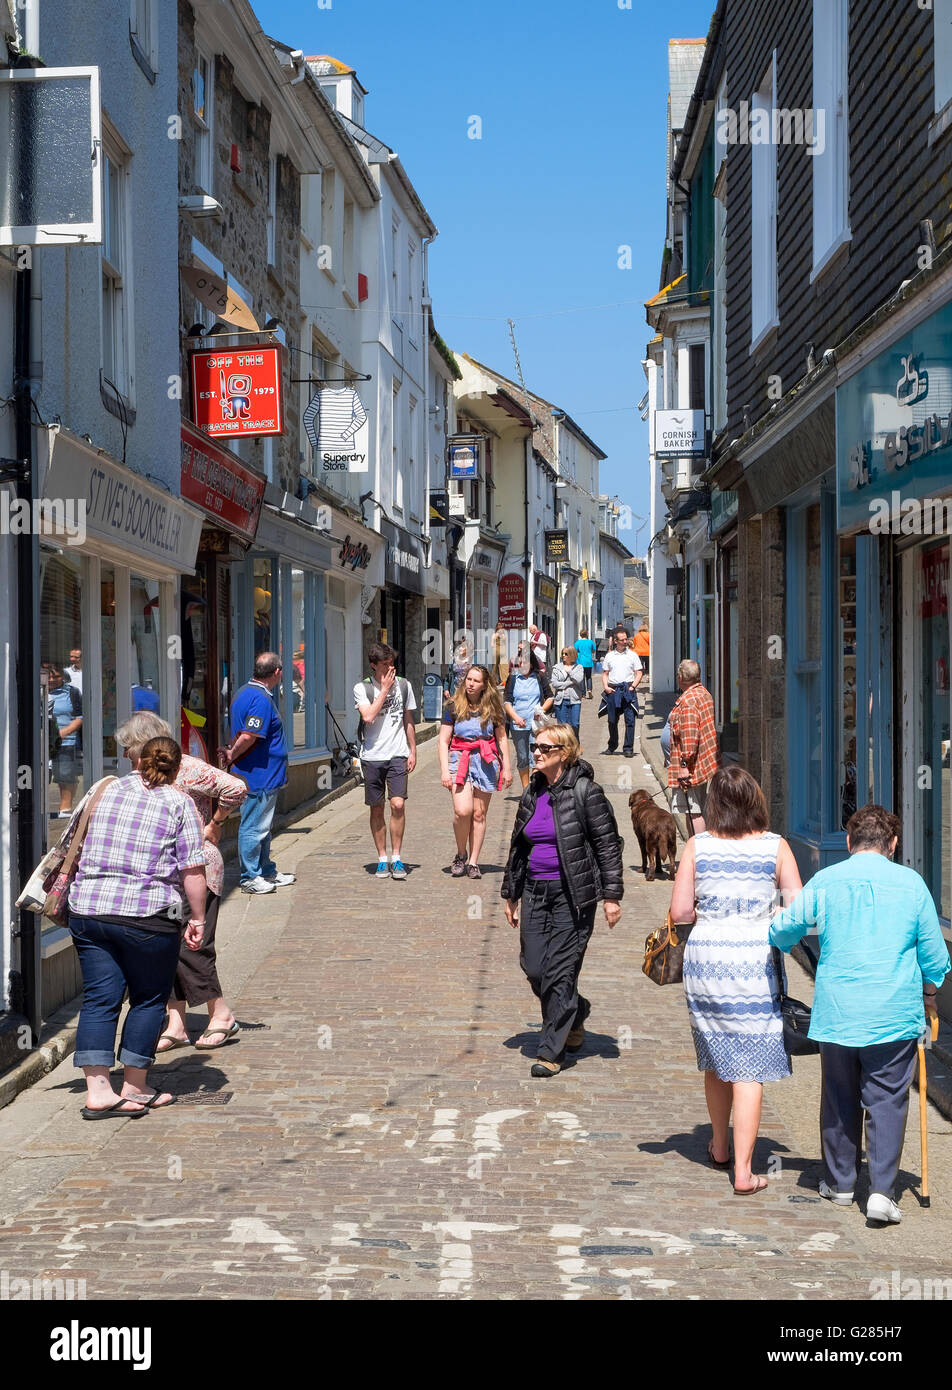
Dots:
pixel 385 737
pixel 540 647
pixel 621 667
pixel 75 674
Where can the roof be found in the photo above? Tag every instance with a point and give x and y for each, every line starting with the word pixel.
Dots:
pixel 329 65
pixel 684 64
pixel 662 295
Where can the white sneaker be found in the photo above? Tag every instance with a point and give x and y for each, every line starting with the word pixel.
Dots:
pixel 839 1199
pixel 281 880
pixel 258 885
pixel 881 1210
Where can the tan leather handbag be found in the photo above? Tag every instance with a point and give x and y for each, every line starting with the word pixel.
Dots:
pixel 664 953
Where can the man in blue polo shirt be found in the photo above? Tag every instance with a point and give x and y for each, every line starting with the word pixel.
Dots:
pixel 259 753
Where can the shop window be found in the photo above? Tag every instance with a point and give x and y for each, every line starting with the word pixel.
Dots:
pixel 263 607
pixel 846 696
pixel 195 645
pixel 300 652
pixel 109 657
pixel 145 674
pixel 931 786
pixel 60 645
pixel 805 635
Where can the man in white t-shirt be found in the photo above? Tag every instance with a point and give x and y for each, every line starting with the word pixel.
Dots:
pixel 539 643
pixel 385 703
pixel 621 677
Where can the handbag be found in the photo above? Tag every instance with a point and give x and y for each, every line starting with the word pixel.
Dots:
pixel 664 953
pixel 47 891
pixel 795 1015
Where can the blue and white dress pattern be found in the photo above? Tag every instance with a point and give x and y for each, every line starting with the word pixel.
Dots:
pixel 729 979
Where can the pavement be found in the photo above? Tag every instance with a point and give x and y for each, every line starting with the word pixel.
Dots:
pixel 375 1133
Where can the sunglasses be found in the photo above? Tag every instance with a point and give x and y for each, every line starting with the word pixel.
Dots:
pixel 548 748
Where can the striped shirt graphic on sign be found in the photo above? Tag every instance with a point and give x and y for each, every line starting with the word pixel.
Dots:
pixel 333 418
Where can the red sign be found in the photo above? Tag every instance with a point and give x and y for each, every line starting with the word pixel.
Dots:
pixel 512 601
pixel 219 483
pixel 237 392
pixel 934 582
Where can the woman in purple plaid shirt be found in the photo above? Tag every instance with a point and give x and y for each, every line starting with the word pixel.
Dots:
pixel 142 854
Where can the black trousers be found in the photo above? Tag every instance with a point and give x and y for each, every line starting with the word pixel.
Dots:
pixel 196 978
pixel 553 939
pixel 874 1079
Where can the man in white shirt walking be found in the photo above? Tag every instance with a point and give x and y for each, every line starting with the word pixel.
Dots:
pixel 386 703
pixel 621 677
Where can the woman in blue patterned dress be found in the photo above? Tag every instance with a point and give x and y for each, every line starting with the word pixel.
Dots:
pixel 474 761
pixel 727 885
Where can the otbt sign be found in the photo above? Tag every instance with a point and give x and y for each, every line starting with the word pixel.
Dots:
pixel 237 393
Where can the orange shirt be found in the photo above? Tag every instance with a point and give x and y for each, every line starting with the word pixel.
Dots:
pixel 641 643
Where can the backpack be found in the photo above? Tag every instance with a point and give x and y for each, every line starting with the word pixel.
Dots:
pixel 404 688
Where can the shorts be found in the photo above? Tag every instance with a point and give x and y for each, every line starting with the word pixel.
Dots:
pixel 392 774
pixel 691 800
pixel 522 738
pixel 66 766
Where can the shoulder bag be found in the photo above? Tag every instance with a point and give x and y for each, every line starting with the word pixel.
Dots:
pixel 795 1015
pixel 664 953
pixel 47 892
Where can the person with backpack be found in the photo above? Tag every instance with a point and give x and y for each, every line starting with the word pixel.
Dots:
pixel 565 855
pixel 385 703
pixel 527 696
pixel 474 762
pixel 65 708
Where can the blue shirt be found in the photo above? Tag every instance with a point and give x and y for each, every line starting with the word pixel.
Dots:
pixel 65 706
pixel 585 650
pixel 265 765
pixel 879 939
pixel 526 696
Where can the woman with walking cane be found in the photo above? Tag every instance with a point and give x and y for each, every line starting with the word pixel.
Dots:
pixel 881 958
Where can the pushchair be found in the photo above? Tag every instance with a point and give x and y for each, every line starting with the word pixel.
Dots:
pixel 347 754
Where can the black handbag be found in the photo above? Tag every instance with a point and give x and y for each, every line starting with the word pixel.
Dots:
pixel 795 1015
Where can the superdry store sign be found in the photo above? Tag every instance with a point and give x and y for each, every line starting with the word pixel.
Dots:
pixel 219 484
pixel 237 393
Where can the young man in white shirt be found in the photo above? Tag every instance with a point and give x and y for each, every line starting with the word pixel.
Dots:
pixel 621 677
pixel 386 703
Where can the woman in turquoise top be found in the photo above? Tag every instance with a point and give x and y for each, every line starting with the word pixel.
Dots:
pixel 585 649
pixel 881 951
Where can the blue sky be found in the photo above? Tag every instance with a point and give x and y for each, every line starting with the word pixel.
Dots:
pixel 572 97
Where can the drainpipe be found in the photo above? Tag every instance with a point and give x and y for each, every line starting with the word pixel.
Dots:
pixel 527 557
pixel 427 304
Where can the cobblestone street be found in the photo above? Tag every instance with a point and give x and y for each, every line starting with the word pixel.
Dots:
pixel 376 1134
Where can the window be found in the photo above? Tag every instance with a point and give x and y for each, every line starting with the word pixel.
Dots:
pixel 697 378
pixel 203 99
pixel 394 268
pixel 942 29
pixel 142 35
pixel 328 194
pixel 117 339
pixel 412 461
pixel 763 215
pixel 490 484
pixel 349 277
pixel 830 154
pixel 299 656
pixel 413 328
pixel 397 474
pixel 272 208
pixel 145 674
pixel 804 559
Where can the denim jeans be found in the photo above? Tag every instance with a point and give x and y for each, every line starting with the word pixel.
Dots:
pixel 568 713
pixel 622 702
pixel 115 958
pixel 254 835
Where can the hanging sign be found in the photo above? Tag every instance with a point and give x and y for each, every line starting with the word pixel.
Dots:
pixel 439 508
pixel 512 601
pixel 680 434
pixel 337 426
pixel 556 546
pixel 219 483
pixel 212 291
pixel 237 393
pixel 464 459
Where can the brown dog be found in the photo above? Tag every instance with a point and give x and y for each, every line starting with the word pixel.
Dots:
pixel 656 831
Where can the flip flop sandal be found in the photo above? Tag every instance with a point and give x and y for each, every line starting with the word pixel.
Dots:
pixel 751 1191
pixel 115 1112
pixel 173 1041
pixel 227 1035
pixel 716 1163
pixel 151 1102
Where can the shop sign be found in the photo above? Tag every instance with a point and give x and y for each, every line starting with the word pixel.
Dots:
pixel 894 431
pixel 123 509
pixel 723 509
pixel 236 394
pixel 337 426
pixel 545 589
pixel 680 434
pixel 464 459
pixel 353 555
pixel 439 509
pixel 220 484
pixel 487 561
pixel 934 582
pixel 556 546
pixel 404 559
pixel 512 601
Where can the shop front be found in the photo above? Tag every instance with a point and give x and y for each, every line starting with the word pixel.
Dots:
pixel 482 596
pixel 894 518
pixel 109 633
pixel 230 495
pixel 353 577
pixel 403 600
pixel 280 591
pixel 545 615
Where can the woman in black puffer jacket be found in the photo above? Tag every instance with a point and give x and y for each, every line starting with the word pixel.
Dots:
pixel 565 855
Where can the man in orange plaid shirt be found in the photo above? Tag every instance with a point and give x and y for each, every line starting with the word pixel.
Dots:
pixel 695 755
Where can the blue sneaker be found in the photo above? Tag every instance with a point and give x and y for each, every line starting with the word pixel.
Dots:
pixel 383 869
pixel 398 869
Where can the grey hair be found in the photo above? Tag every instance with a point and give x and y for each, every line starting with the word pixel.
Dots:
pixel 689 671
pixel 137 731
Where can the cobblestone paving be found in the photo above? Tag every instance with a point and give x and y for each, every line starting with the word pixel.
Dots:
pixel 376 1133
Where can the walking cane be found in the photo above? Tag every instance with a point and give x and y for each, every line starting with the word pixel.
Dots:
pixel 933 1024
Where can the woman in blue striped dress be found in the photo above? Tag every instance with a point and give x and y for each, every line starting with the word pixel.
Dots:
pixel 727 886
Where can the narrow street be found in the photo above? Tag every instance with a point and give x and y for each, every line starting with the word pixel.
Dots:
pixel 376 1133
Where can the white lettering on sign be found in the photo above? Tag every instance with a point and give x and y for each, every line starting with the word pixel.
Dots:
pixel 403 559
